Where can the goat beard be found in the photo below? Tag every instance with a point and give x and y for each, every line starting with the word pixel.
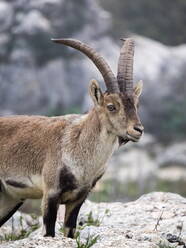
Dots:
pixel 122 141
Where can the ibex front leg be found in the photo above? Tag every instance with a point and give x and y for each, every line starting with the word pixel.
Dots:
pixel 50 205
pixel 56 185
pixel 71 214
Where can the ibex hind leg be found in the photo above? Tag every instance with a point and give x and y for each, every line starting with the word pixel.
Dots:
pixel 8 206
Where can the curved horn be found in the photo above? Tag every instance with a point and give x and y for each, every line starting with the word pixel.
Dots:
pixel 125 66
pixel 98 60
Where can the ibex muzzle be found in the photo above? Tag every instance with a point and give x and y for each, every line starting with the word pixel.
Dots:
pixel 60 159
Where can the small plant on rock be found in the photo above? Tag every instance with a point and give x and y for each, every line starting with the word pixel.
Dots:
pixel 90 241
pixel 24 233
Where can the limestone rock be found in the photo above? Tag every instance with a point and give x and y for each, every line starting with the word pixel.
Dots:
pixel 174 155
pixel 32 24
pixel 146 222
pixel 172 162
pixel 6 16
pixel 41 242
pixel 134 224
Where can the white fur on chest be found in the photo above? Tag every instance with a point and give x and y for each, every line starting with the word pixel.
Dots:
pixel 90 165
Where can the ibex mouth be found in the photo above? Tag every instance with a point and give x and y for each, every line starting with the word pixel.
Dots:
pixel 127 138
pixel 133 138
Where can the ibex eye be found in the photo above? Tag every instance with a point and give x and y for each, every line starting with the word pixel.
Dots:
pixel 111 107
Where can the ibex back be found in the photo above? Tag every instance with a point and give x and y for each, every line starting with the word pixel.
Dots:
pixel 60 159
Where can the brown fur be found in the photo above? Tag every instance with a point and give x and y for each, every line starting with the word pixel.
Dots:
pixel 25 142
pixel 61 158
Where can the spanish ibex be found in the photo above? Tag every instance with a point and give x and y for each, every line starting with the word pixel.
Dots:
pixel 60 159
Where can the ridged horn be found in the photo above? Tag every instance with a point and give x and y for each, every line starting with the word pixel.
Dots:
pixel 97 59
pixel 125 66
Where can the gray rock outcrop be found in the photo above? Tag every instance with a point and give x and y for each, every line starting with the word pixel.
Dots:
pixel 135 224
pixel 174 155
pixel 37 76
pixel 153 219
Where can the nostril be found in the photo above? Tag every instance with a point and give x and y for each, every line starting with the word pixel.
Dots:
pixel 139 128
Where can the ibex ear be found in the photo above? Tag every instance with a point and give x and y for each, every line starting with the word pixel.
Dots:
pixel 138 88
pixel 95 92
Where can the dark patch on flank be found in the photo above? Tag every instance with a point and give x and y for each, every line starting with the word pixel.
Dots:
pixel 67 181
pixel 9 215
pixel 16 184
pixel 49 218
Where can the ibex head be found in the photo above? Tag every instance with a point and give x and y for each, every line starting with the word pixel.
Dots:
pixel 118 105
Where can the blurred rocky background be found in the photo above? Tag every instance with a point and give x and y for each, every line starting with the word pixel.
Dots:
pixel 40 77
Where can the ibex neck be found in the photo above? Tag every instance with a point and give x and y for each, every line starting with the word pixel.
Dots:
pixel 89 139
pixel 93 130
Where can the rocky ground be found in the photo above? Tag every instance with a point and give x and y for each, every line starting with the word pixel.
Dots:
pixel 154 220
